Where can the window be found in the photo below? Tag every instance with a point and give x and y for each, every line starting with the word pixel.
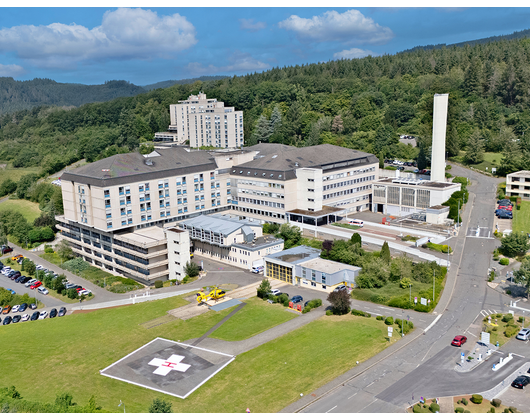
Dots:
pixel 147 186
pixel 109 225
pixel 107 193
pixel 121 190
pixel 107 204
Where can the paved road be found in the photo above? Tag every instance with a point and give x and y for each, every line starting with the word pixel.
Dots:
pixel 425 367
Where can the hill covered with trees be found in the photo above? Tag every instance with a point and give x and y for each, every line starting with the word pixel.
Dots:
pixel 360 103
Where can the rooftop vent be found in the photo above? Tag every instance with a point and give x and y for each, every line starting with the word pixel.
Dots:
pixel 148 162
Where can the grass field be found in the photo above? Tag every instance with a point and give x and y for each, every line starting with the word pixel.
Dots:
pixel 72 350
pixel 16 173
pixel 346 225
pixel 28 209
pixel 521 218
pixel 255 317
pixel 491 160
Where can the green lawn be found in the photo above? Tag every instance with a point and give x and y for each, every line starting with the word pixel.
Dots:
pixel 346 225
pixel 255 317
pixel 497 333
pixel 491 160
pixel 28 209
pixel 16 173
pixel 53 258
pixel 521 218
pixel 72 350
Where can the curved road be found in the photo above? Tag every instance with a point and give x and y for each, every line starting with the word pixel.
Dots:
pixel 425 367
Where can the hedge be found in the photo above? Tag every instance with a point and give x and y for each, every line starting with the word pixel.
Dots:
pixel 496 402
pixel 504 261
pixel 434 408
pixel 459 409
pixel 476 398
pixel 389 320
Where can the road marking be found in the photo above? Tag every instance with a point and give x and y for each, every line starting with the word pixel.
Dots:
pixel 366 406
pixel 331 409
pixel 353 395
pixel 495 310
pixel 427 352
pixel 515 354
pixel 434 322
pixel 471 334
pixel 374 313
pixel 371 383
pixel 382 307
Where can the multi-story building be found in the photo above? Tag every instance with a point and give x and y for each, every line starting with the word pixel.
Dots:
pixel 307 184
pixel 206 122
pixel 518 184
pixel 125 213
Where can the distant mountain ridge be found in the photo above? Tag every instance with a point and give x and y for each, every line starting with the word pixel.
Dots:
pixel 19 95
pixel 514 35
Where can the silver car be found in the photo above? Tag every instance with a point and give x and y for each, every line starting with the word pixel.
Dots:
pixel 524 334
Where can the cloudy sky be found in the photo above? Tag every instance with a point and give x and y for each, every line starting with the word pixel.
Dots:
pixel 148 45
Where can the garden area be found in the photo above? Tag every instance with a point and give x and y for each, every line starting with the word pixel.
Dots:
pixel 502 327
pixel 474 403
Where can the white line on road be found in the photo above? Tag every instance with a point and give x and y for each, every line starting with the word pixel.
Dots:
pixel 432 323
pixel 515 354
pixel 371 383
pixel 495 310
pixel 366 406
pixel 471 334
pixel 388 309
pixel 331 409
pixel 427 352
pixel 353 395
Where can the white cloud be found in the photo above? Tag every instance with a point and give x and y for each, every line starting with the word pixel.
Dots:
pixel 11 70
pixel 249 25
pixel 123 34
pixel 239 62
pixel 348 27
pixel 353 53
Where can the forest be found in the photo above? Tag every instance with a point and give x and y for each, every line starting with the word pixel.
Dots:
pixel 361 103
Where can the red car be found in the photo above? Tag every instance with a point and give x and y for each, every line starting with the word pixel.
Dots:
pixel 509 208
pixel 459 340
pixel 35 285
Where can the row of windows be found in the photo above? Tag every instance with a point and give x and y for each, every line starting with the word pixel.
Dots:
pixel 346 192
pixel 348 173
pixel 349 182
pixel 260 212
pixel 261 202
pixel 260 193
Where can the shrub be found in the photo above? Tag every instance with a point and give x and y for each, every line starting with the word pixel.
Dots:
pixel 512 409
pixel 507 317
pixel 367 315
pixel 379 317
pixel 498 315
pixel 404 283
pixel 389 320
pixel 421 308
pixel 492 410
pixel 495 402
pixel 504 261
pixel 508 292
pixel 506 410
pixel 306 310
pixel 375 298
pixel 159 284
pixel 464 401
pixel 434 408
pixel 476 398
pixel 495 329
pixel 48 249
pixel 459 410
pixel 511 331
pixel 496 255
pixel 329 312
pixel 416 408
pixel 467 411
pixel 357 312
pixel 317 303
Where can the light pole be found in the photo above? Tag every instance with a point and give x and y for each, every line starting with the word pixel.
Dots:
pixel 120 404
pixel 410 293
pixel 402 322
pixel 433 278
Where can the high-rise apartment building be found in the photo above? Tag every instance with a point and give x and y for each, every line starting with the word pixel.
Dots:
pixel 206 122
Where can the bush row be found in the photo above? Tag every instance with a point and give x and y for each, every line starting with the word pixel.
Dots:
pixel 360 313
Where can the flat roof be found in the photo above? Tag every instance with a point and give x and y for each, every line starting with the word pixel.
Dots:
pixel 328 266
pixel 429 184
pixel 522 173
pixel 144 236
pixel 220 224
pixel 295 255
pixel 325 210
pixel 259 243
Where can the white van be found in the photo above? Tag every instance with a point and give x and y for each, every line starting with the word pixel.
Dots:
pixel 356 222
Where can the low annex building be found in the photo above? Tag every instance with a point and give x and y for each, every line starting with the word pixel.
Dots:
pixel 302 266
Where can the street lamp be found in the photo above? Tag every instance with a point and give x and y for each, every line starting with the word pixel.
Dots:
pixel 120 404
pixel 402 322
pixel 410 293
pixel 433 278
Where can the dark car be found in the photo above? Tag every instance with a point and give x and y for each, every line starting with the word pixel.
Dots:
pixel 16 276
pixel 503 200
pixel 504 215
pixel 459 340
pixel 53 313
pixel 35 316
pixel 21 279
pixel 16 318
pixel 6 249
pixel 25 280
pixel 32 306
pixel 23 307
pixel 521 381
pixel 297 298
pixel 7 320
pixel 62 311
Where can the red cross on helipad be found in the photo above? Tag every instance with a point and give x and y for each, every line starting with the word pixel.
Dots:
pixel 166 366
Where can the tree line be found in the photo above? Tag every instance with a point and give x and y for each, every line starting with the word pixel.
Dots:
pixel 361 103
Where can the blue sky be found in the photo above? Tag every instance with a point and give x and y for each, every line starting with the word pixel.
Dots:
pixel 148 45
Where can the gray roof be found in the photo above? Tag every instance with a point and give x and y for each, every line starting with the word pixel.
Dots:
pixel 259 243
pixel 134 167
pixel 217 224
pixel 295 255
pixel 283 161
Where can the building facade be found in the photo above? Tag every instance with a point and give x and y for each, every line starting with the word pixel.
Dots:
pixel 206 122
pixel 518 184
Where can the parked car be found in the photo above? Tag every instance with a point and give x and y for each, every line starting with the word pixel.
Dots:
pixel 35 316
pixel 7 320
pixel 15 276
pixel 297 298
pixel 62 311
pixel 339 287
pixel 521 381
pixel 6 249
pixel 11 291
pixel 32 306
pixel 524 334
pixel 25 280
pixel 459 340
pixel 276 292
pixel 35 285
pixel 15 308
pixel 505 215
pixel 503 200
pixel 43 314
pixel 257 270
pixel 16 257
pixel 53 313
pixel 70 286
pixel 31 282
pixel 6 309
pixel 42 290
pixel 16 319
pixel 24 318
pixel 23 307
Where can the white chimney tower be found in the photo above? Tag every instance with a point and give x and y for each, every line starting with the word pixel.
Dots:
pixel 439 125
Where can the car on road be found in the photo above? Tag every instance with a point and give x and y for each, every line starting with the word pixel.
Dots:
pixel 32 306
pixel 42 290
pixel 459 340
pixel 7 320
pixel 24 318
pixel 35 285
pixel 11 291
pixel 524 334
pixel 16 319
pixel 62 311
pixel 6 309
pixel 35 316
pixel 53 313
pixel 521 381
pixel 23 307
pixel 297 298
pixel 43 314
pixel 15 308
